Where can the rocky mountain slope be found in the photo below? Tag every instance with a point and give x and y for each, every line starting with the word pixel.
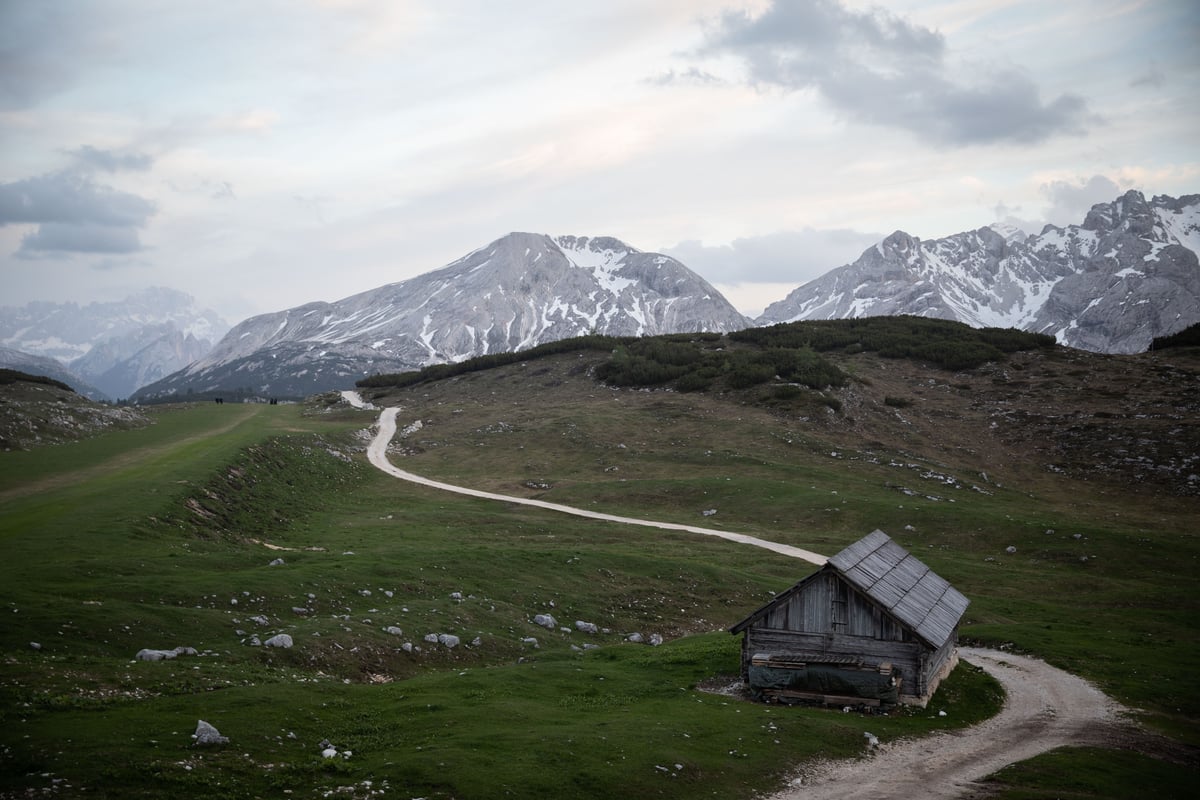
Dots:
pixel 36 412
pixel 1127 274
pixel 117 346
pixel 517 292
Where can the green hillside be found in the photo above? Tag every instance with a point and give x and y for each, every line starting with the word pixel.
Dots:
pixel 164 537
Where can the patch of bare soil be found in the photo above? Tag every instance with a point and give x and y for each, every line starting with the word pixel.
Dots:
pixel 1045 708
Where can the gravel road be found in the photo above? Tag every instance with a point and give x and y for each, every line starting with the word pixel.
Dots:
pixel 1045 708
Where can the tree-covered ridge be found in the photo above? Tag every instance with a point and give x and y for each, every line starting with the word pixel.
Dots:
pixel 437 372
pixel 788 353
pixel 943 343
pixel 13 376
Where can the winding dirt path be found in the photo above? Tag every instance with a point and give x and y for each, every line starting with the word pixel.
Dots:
pixel 377 455
pixel 1045 707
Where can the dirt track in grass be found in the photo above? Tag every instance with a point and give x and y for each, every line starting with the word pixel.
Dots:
pixel 1045 708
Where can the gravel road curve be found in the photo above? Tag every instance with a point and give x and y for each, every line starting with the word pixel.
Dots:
pixel 1045 708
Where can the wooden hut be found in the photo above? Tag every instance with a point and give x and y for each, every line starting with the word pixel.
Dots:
pixel 874 625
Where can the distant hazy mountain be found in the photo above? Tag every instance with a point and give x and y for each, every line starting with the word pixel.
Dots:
pixel 49 368
pixel 1127 274
pixel 517 292
pixel 117 346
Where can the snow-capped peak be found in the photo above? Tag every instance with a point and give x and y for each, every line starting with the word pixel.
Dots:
pixel 1010 232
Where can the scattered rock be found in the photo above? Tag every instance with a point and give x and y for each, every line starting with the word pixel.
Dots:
pixel 529 640
pixel 586 627
pixel 448 639
pixel 635 637
pixel 300 610
pixel 260 619
pixel 35 645
pixel 407 647
pixel 546 621
pixel 206 735
pixel 393 630
pixel 279 640
pixel 164 655
pixel 708 512
pixel 478 640
pixel 279 562
pixel 872 739
pixel 656 639
pixel 456 596
pixel 1010 549
pixel 432 638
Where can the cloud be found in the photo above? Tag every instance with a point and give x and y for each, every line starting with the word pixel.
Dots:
pixel 55 237
pixel 1153 77
pixel 203 187
pixel 878 68
pixel 1070 202
pixel 70 198
pixel 111 160
pixel 42 50
pixel 794 257
pixel 74 214
pixel 691 75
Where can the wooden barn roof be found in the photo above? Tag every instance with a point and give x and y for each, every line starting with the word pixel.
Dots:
pixel 898 581
pixel 901 583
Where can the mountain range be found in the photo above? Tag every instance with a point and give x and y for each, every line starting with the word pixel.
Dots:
pixel 109 350
pixel 1129 273
pixel 517 292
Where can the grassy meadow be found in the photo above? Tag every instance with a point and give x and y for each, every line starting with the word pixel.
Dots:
pixel 163 537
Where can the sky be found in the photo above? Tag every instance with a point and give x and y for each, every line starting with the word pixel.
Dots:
pixel 262 154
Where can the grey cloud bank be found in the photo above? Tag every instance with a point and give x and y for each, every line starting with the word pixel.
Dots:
pixel 877 68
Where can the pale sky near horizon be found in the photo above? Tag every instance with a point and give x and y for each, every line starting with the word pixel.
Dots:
pixel 263 154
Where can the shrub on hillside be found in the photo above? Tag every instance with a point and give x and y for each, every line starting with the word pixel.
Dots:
pixel 944 343
pixel 1188 337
